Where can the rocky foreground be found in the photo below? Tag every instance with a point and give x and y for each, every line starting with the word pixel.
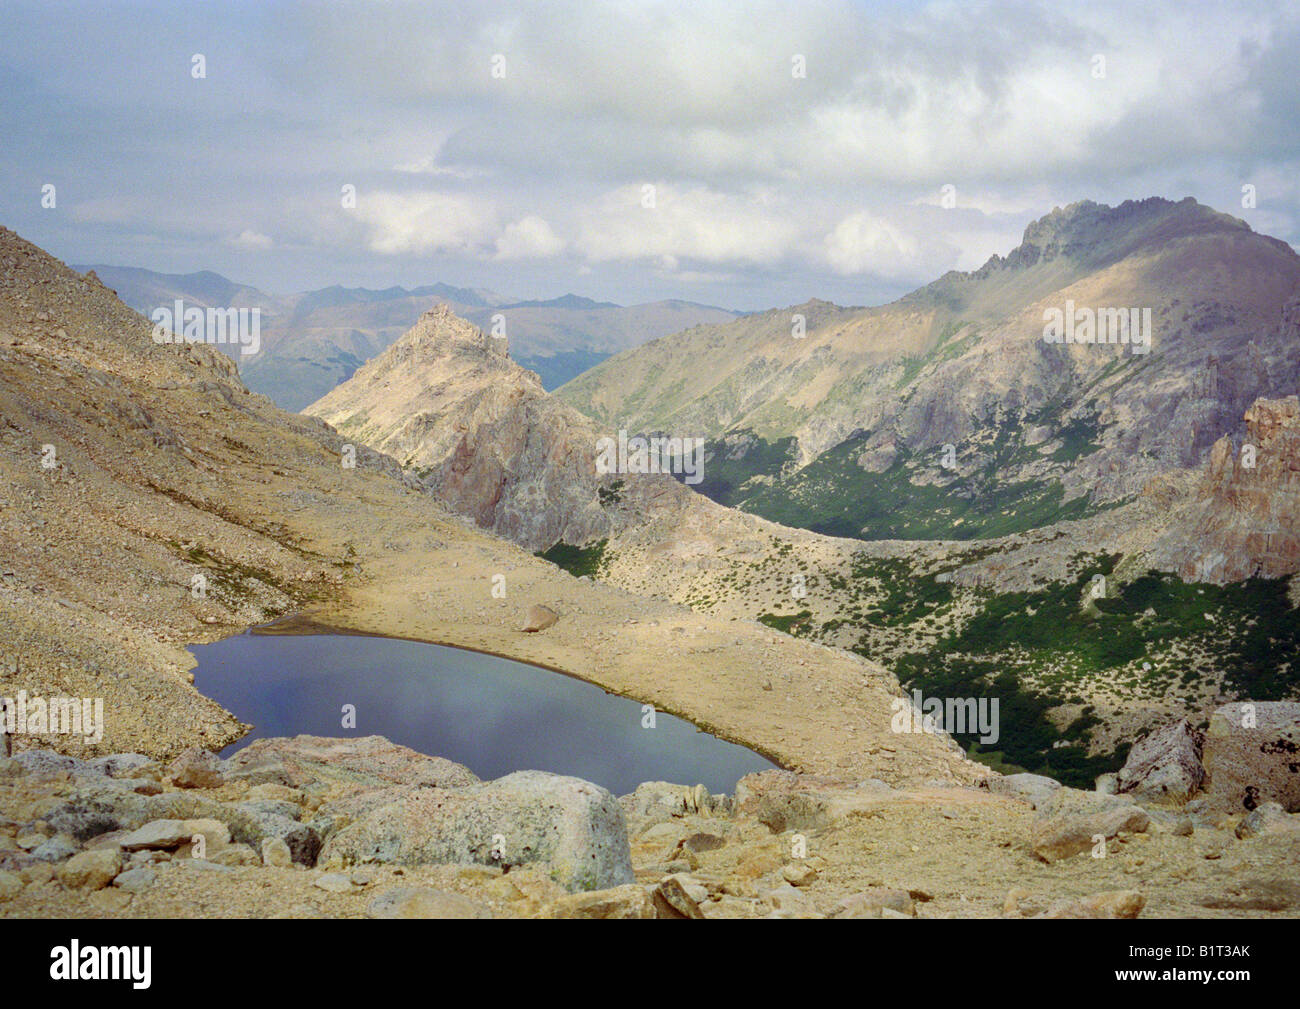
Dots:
pixel 315 827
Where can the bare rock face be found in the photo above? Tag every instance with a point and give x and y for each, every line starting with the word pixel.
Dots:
pixel 1245 519
pixel 483 435
pixel 1252 756
pixel 1165 766
pixel 962 362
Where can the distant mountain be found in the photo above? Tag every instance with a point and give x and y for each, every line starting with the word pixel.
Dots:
pixel 947 414
pixel 314 340
pixel 480 432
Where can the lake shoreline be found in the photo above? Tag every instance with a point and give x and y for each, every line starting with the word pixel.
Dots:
pixel 300 624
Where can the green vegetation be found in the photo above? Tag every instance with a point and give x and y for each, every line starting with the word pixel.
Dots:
pixel 835 496
pixel 1031 650
pixel 725 477
pixel 611 495
pixel 578 561
pixel 795 623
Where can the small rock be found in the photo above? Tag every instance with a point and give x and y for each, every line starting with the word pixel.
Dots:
pixel 110 901
pixel 275 852
pixel 673 900
pixel 334 882
pixel 11 885
pixel 196 768
pixel 135 880
pixel 797 874
pixel 539 618
pixel 425 902
pixel 90 870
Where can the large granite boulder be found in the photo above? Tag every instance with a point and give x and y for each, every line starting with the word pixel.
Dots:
pixel 1252 755
pixel 573 829
pixel 786 800
pixel 1165 766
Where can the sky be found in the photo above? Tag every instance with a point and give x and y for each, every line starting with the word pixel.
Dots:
pixel 745 155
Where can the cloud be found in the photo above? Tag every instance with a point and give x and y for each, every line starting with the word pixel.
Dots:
pixel 862 243
pixel 528 238
pixel 252 241
pixel 768 184
pixel 425 221
pixel 654 220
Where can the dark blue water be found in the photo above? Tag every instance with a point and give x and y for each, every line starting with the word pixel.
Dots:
pixel 491 714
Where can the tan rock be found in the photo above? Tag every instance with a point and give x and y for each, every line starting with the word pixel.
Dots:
pixel 425 902
pixel 196 768
pixel 631 900
pixel 90 870
pixel 1113 904
pixel 539 618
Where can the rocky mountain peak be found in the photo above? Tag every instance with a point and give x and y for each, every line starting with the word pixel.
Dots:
pixel 440 331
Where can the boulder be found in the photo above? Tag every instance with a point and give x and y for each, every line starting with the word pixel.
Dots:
pixel 158 835
pixel 786 800
pixel 1267 818
pixel 196 768
pixel 1252 755
pixel 364 761
pixel 1035 789
pixel 1071 820
pixel 663 800
pixel 539 618
pixel 1113 904
pixel 1165 766
pixel 90 870
pixel 572 827
pixel 424 902
pixel 869 903
pixel 631 900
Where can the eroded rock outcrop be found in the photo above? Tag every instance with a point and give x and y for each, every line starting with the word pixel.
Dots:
pixel 1244 519
pixel 1252 755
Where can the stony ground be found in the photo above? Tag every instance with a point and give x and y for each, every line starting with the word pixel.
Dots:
pixel 783 846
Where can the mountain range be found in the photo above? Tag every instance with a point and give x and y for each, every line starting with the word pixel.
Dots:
pixel 946 414
pixel 313 340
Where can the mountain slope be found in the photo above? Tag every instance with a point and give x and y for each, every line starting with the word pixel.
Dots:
pixel 162 466
pixel 483 435
pixel 946 414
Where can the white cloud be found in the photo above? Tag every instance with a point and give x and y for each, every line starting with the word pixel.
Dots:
pixel 252 241
pixel 862 243
pixel 528 238
pixel 424 222
pixel 696 223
